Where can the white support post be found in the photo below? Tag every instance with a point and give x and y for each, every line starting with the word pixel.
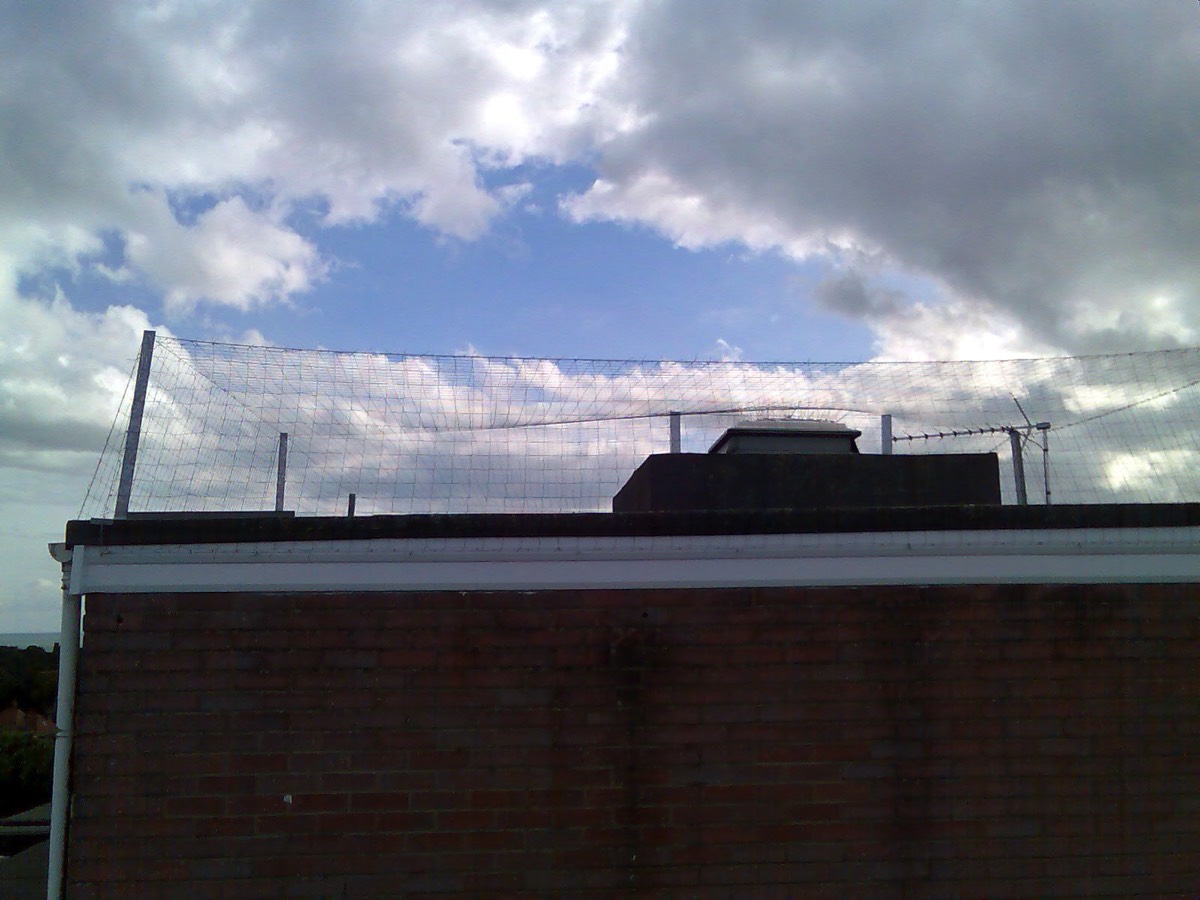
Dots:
pixel 281 471
pixel 885 437
pixel 1044 428
pixel 1018 461
pixel 676 433
pixel 133 433
pixel 64 715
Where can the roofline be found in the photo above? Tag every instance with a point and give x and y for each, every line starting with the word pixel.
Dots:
pixel 185 528
pixel 556 562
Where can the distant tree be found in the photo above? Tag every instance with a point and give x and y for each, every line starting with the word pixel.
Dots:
pixel 29 678
pixel 26 770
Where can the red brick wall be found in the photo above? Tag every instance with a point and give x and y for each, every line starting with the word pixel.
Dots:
pixel 880 742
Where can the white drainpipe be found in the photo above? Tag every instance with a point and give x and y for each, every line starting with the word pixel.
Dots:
pixel 68 657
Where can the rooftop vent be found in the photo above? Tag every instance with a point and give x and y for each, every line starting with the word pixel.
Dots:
pixel 787 436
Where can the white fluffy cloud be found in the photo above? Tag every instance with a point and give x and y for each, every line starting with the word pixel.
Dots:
pixel 62 374
pixel 1034 157
pixel 112 108
pixel 230 255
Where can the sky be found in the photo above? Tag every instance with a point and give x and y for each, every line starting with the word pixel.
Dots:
pixel 624 179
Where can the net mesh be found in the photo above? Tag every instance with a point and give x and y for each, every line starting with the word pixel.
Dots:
pixel 413 433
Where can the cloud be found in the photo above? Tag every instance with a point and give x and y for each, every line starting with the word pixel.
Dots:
pixel 229 255
pixel 949 328
pixel 849 293
pixel 727 351
pixel 62 376
pixel 1036 159
pixel 261 110
pixel 1031 159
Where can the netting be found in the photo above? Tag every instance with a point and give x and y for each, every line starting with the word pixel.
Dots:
pixel 432 434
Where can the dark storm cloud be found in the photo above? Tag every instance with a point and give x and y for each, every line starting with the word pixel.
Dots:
pixel 1041 157
pixel 850 294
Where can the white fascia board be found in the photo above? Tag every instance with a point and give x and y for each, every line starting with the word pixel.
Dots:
pixel 1097 555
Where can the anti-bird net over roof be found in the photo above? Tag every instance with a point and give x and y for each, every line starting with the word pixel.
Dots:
pixel 412 433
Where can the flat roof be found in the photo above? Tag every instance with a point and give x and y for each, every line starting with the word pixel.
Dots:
pixel 786 428
pixel 794 426
pixel 234 528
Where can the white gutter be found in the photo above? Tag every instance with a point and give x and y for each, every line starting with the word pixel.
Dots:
pixel 1037 556
pixel 68 656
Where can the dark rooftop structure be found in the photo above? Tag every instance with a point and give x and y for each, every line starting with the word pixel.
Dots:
pixel 719 481
pixel 805 464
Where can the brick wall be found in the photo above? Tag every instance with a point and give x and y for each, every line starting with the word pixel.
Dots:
pixel 880 742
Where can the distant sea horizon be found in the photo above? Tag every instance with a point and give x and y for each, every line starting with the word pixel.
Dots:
pixel 22 639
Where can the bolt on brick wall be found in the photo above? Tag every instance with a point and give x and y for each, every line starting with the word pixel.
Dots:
pixel 878 742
